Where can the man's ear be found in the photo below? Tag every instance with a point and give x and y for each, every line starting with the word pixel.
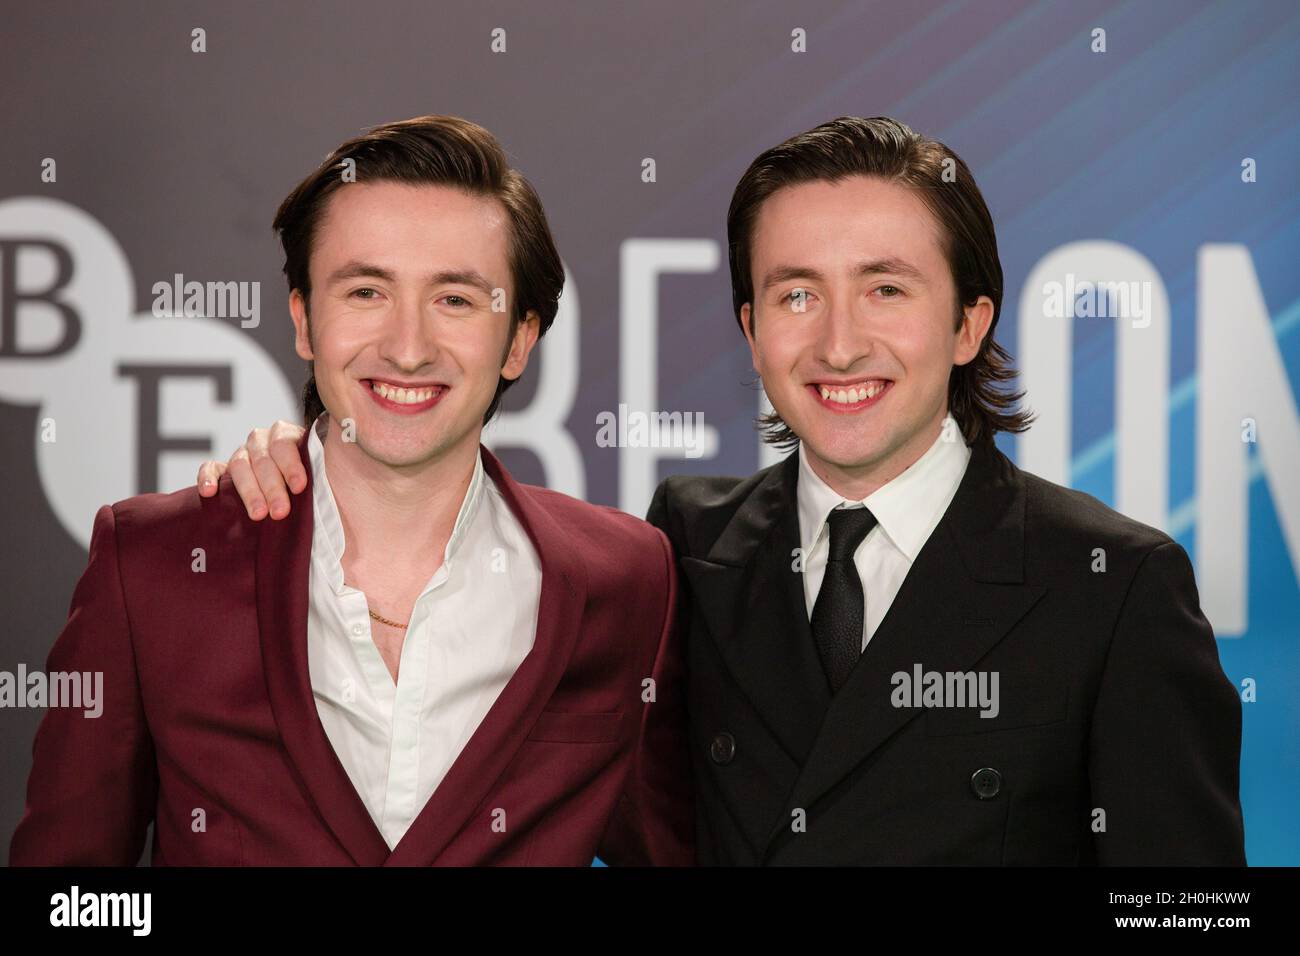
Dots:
pixel 301 332
pixel 747 324
pixel 521 345
pixel 975 323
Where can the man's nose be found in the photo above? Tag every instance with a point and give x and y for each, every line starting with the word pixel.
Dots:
pixel 845 336
pixel 409 336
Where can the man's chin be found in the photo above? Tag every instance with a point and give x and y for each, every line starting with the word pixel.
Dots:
pixel 850 459
pixel 851 452
pixel 406 452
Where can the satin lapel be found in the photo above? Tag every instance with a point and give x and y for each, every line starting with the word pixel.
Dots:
pixel 751 598
pixel 964 592
pixel 513 714
pixel 283 575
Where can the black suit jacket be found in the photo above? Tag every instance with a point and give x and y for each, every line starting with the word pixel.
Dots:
pixel 1118 737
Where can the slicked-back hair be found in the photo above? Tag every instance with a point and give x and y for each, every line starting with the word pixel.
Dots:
pixel 887 149
pixel 439 151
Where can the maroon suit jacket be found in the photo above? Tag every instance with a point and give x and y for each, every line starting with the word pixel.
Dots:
pixel 207 704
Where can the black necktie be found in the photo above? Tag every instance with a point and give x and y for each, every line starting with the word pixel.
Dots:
pixel 837 612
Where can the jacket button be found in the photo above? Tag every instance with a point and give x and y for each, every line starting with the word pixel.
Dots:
pixel 986 782
pixel 723 748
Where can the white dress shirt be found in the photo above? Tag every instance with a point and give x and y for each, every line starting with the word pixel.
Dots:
pixel 907 510
pixel 471 626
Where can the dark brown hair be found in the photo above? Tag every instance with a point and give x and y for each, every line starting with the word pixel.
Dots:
pixel 883 147
pixel 430 150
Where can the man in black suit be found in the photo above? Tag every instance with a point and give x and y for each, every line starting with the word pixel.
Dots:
pixel 901 647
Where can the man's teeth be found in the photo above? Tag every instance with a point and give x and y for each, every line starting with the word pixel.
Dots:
pixel 852 394
pixel 404 396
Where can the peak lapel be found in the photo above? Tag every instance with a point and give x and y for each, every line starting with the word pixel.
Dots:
pixel 513 714
pixel 751 598
pixel 283 575
pixel 962 595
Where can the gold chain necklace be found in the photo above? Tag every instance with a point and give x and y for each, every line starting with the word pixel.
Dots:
pixel 384 620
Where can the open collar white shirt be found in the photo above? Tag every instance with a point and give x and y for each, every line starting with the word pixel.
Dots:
pixel 470 628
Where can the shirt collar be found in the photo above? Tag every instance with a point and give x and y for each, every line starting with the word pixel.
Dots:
pixel 330 524
pixel 907 508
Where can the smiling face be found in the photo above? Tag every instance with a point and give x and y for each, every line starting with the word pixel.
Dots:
pixel 402 329
pixel 853 325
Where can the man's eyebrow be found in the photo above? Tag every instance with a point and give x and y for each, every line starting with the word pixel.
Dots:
pixel 463 277
pixel 359 270
pixel 891 266
pixel 780 274
pixel 366 270
pixel 888 266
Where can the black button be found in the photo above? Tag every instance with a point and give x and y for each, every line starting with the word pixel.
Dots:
pixel 986 782
pixel 723 748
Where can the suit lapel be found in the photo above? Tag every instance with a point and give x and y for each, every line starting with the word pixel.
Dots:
pixel 964 592
pixel 751 598
pixel 283 575
pixel 513 714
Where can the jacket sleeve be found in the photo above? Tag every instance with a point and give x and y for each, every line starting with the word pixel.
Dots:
pixel 654 822
pixel 1165 747
pixel 93 784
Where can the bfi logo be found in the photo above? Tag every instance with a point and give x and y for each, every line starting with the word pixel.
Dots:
pixel 126 403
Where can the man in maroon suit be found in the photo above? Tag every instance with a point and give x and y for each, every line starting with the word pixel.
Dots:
pixel 431 664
